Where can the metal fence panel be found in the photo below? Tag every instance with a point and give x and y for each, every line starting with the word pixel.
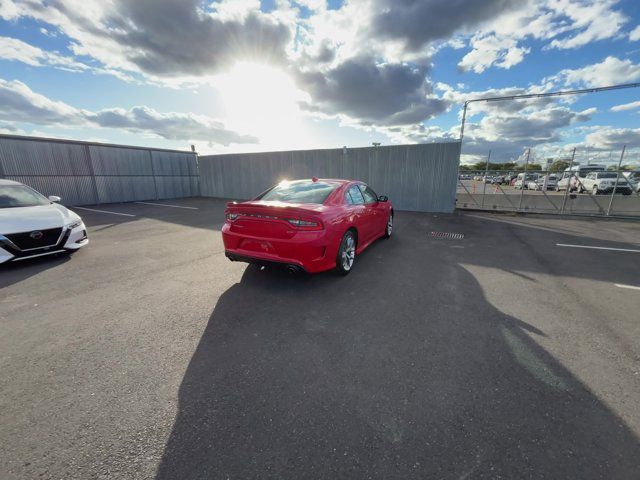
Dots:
pixel 174 163
pixel 114 189
pixel 120 161
pixel 416 177
pixel 85 173
pixel 74 190
pixel 41 158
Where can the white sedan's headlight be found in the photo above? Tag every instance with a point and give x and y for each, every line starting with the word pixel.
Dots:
pixel 75 224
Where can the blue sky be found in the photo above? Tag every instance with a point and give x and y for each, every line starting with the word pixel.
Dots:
pixel 250 75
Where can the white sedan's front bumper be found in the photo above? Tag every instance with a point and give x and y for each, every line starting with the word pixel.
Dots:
pixel 69 241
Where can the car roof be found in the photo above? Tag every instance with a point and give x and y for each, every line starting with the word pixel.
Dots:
pixel 328 180
pixel 9 182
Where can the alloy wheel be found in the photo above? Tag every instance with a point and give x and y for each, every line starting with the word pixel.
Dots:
pixel 348 252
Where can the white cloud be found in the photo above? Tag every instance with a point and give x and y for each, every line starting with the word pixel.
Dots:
pixel 169 39
pixel 634 35
pixel 608 138
pixel 593 20
pixel 18 103
pixel 611 71
pixel 313 4
pixel 13 49
pixel 626 106
pixel 368 61
pixel 9 10
pixel 48 33
pixel 562 24
pixel 492 50
pixel 16 50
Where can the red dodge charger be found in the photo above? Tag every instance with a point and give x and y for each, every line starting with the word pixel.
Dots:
pixel 311 225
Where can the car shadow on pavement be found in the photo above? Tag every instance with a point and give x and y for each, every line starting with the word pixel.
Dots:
pixel 11 272
pixel 402 369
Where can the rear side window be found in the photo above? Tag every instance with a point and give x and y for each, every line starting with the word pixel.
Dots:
pixel 301 191
pixel 354 196
pixel 369 195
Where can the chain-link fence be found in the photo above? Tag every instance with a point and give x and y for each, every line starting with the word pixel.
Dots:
pixel 567 184
pixel 552 154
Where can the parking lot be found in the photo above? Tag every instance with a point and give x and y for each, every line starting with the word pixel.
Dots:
pixel 479 187
pixel 473 194
pixel 512 353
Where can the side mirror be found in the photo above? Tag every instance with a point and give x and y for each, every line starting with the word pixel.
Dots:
pixel 54 199
pixel 383 198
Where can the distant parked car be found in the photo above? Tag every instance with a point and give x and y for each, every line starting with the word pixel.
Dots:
pixel 529 177
pixel 497 180
pixel 605 182
pixel 573 177
pixel 32 225
pixel 539 183
pixel 633 178
pixel 566 182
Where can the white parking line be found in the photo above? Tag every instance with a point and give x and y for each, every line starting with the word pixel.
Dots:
pixel 104 211
pixel 630 287
pixel 599 248
pixel 167 205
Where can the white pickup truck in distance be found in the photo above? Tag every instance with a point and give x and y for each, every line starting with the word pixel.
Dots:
pixel 605 182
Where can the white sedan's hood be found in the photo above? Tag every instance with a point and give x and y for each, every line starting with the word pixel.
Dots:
pixel 41 217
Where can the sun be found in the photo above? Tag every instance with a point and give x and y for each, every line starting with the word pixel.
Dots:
pixel 263 101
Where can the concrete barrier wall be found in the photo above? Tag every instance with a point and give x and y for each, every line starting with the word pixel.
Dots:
pixel 415 177
pixel 84 173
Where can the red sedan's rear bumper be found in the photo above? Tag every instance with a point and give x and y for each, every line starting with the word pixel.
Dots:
pixel 312 251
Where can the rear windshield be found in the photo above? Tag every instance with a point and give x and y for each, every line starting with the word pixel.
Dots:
pixel 300 191
pixel 12 196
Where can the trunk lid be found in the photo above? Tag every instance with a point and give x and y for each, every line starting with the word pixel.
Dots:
pixel 273 219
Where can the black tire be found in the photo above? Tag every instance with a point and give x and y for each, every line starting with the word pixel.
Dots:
pixel 388 230
pixel 347 247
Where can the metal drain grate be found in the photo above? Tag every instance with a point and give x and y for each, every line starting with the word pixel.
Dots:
pixel 447 235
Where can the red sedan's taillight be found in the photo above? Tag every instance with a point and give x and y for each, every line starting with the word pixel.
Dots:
pixel 305 224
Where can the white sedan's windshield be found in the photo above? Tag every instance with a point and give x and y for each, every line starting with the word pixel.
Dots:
pixel 20 196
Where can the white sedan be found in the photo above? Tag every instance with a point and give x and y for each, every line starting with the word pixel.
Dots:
pixel 32 225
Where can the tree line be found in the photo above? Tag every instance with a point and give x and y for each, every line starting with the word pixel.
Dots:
pixel 557 166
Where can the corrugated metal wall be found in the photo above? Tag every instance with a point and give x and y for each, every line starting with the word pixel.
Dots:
pixel 415 177
pixel 90 173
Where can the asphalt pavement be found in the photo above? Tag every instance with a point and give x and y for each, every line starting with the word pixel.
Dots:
pixel 512 353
